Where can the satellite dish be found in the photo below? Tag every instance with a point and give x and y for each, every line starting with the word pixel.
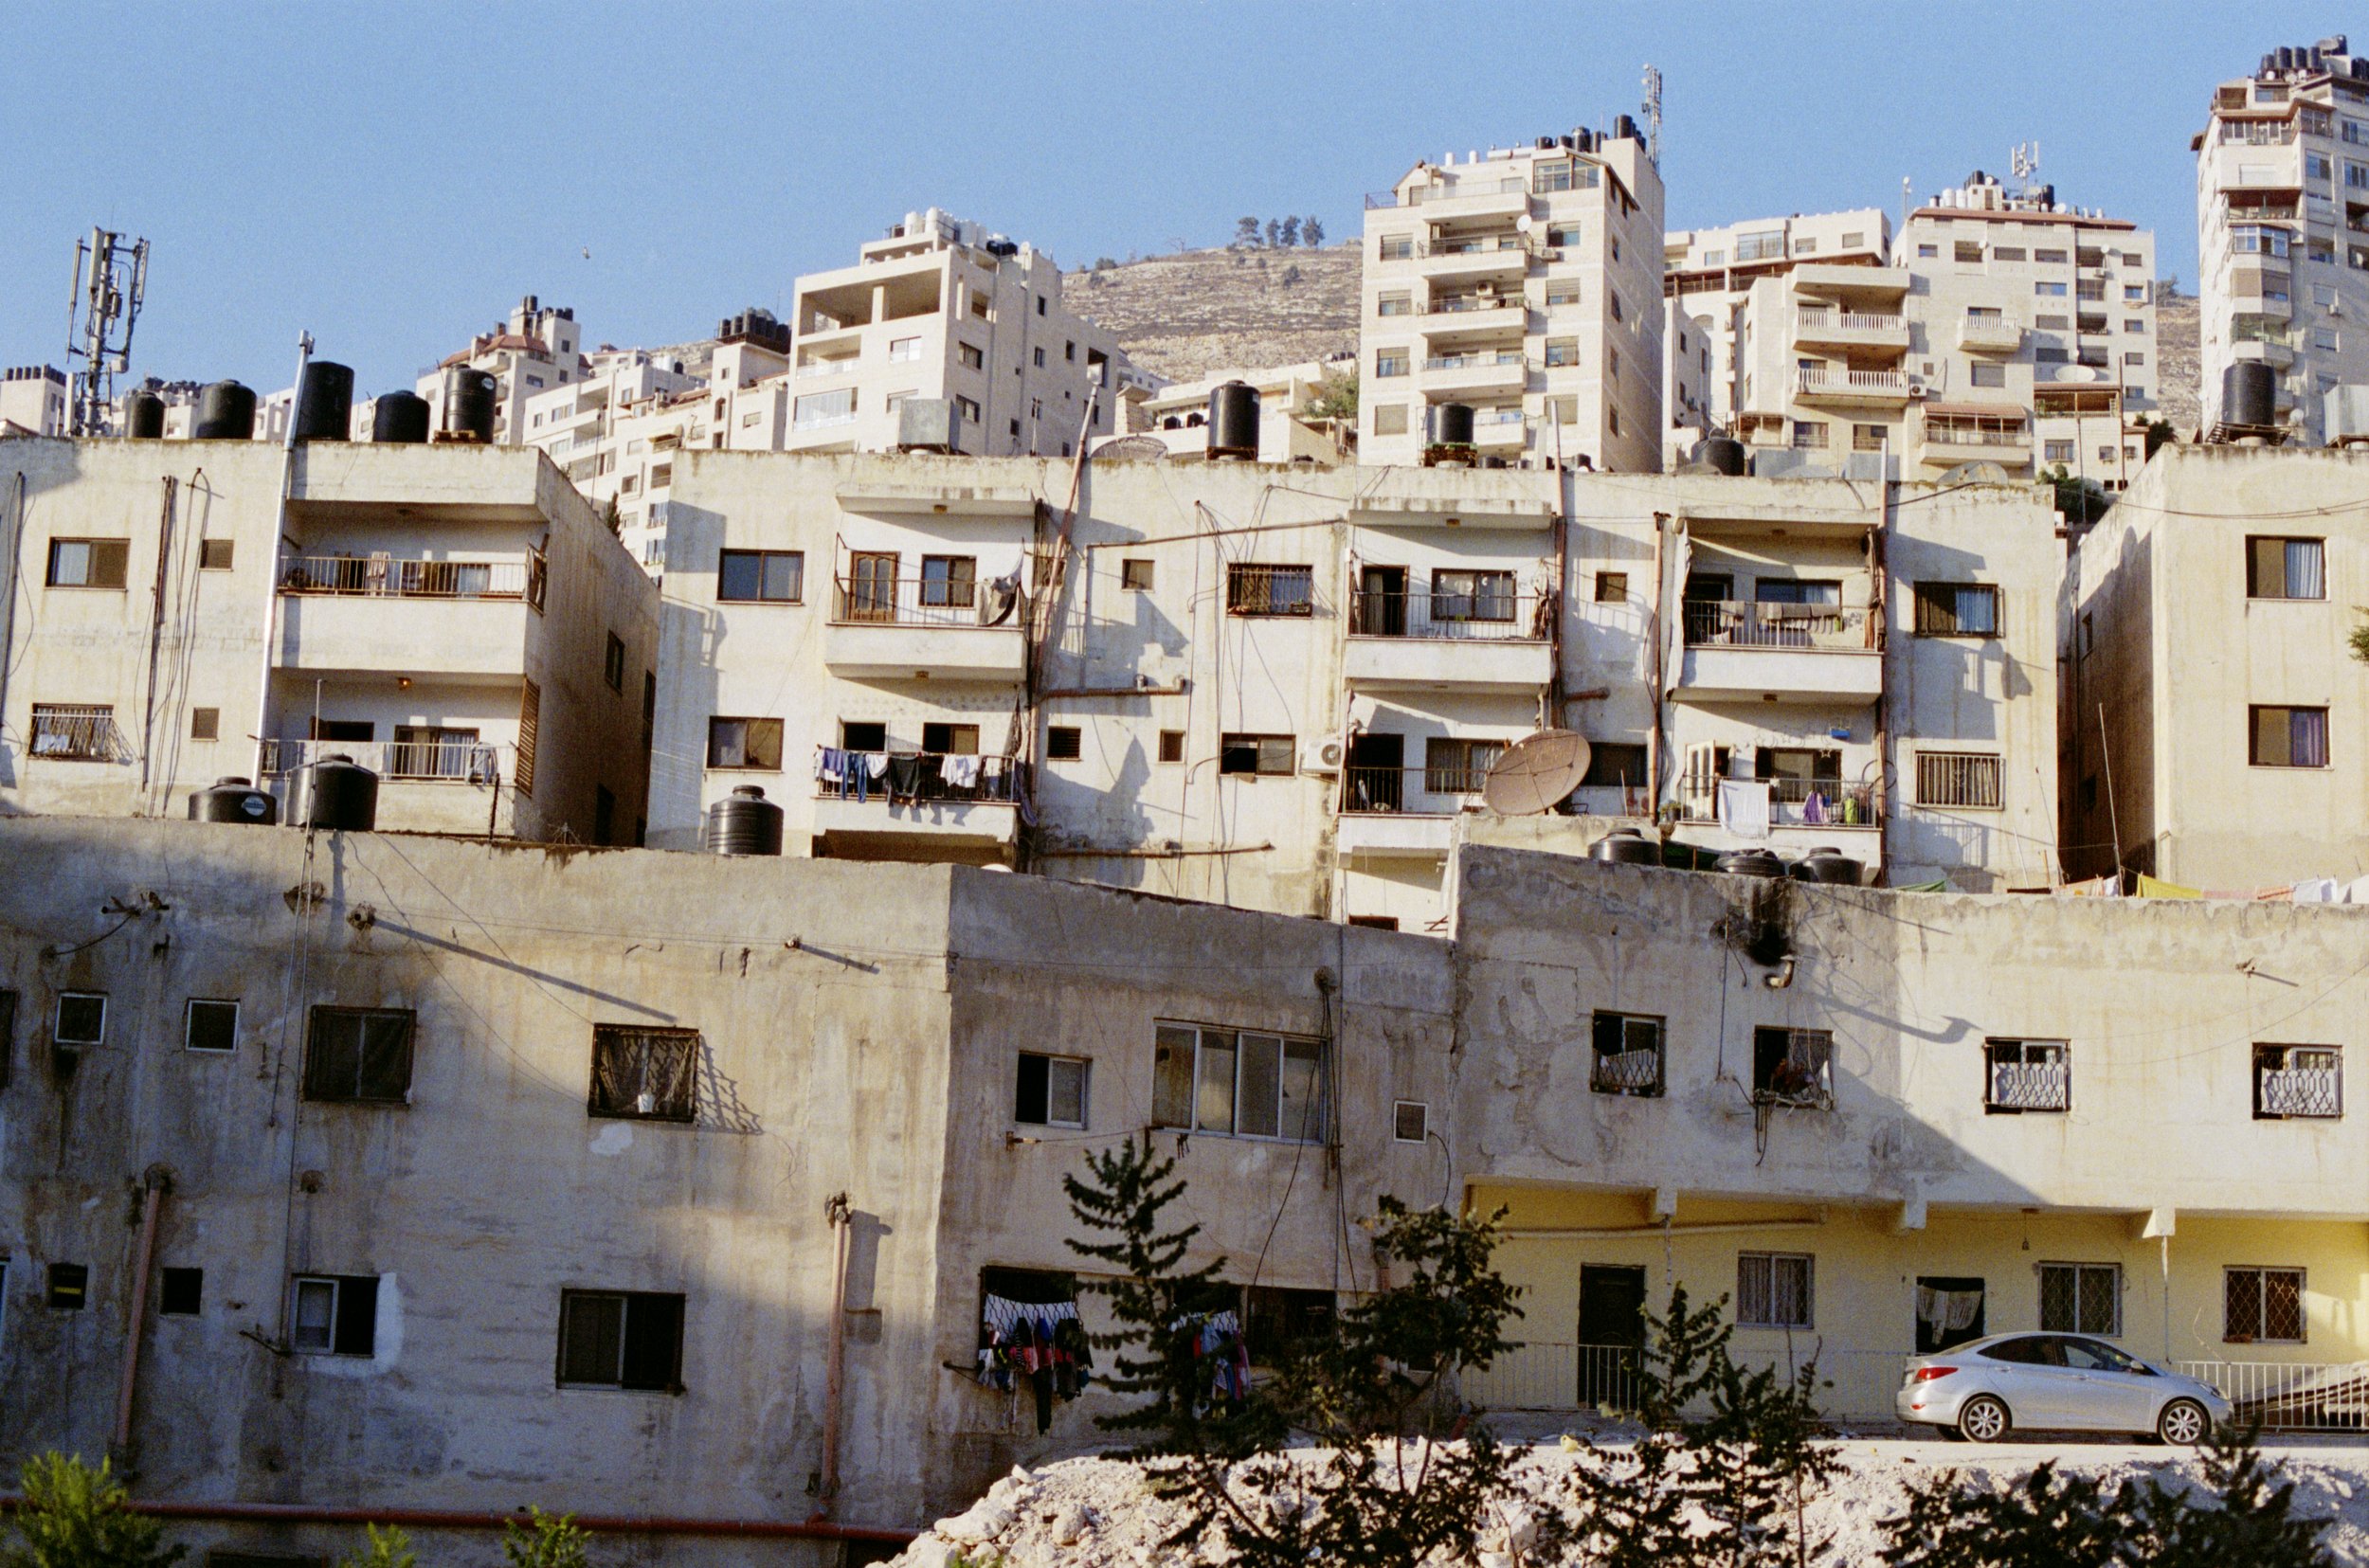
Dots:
pixel 1976 472
pixel 1535 773
pixel 1522 225
pixel 1132 449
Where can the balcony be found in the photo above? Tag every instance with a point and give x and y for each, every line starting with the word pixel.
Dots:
pixel 1989 334
pixel 1739 652
pixel 383 577
pixel 1507 197
pixel 345 614
pixel 1446 260
pixel 1443 642
pixel 916 804
pixel 1840 285
pixel 1846 330
pixel 1866 388
pixel 424 786
pixel 1461 319
pixel 1403 813
pixel 1802 813
pixel 1502 370
pixel 1500 427
pixel 1947 440
pixel 913 628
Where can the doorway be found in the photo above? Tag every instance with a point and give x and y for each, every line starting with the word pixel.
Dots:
pixel 1949 1311
pixel 1382 602
pixel 1612 1333
pixel 1376 777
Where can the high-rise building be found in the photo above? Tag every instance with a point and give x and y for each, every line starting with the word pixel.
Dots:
pixel 32 399
pixel 2283 238
pixel 537 350
pixel 1520 288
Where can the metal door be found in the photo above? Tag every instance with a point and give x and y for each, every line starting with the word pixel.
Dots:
pixel 1612 1333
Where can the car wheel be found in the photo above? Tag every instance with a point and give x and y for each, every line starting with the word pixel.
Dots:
pixel 1983 1420
pixel 2184 1423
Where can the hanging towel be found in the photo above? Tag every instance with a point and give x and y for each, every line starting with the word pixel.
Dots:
pixel 962 772
pixel 2151 887
pixel 877 764
pixel 2357 891
pixel 1743 806
pixel 826 765
pixel 904 776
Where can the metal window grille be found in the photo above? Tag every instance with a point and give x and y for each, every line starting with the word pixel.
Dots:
pixel 1255 588
pixel 650 1074
pixel 1958 779
pixel 2263 1305
pixel 1773 1290
pixel 2298 1081
pixel 1628 1055
pixel 2028 1075
pixel 74 731
pixel 1794 1067
pixel 2081 1298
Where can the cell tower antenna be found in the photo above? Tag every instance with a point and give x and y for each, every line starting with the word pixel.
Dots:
pixel 2025 159
pixel 1652 114
pixel 110 280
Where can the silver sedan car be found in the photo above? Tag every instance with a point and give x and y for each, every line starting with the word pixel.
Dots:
pixel 1985 1388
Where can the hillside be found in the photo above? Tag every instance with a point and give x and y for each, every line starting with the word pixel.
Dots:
pixel 1186 315
pixel 2178 366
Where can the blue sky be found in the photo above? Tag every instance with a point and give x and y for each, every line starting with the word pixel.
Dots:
pixel 393 175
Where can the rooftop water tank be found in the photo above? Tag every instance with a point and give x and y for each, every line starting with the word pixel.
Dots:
pixel 2249 392
pixel 233 799
pixel 1234 421
pixel 469 405
pixel 744 822
pixel 1725 454
pixel 400 419
pixel 225 411
pixel 1626 846
pixel 1451 424
pixel 1751 863
pixel 143 416
pixel 341 795
pixel 1827 864
pixel 324 406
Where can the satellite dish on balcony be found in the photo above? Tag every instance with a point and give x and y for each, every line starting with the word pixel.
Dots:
pixel 1522 225
pixel 1976 472
pixel 1535 773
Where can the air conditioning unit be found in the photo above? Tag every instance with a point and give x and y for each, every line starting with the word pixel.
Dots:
pixel 1323 756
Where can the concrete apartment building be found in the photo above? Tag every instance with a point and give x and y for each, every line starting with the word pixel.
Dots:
pixel 33 400
pixel 538 347
pixel 2217 718
pixel 942 309
pixel 455 618
pixel 2283 231
pixel 1524 284
pixel 1177 415
pixel 1706 278
pixel 604 431
pixel 1282 688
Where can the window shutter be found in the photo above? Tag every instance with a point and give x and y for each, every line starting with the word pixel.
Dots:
pixel 530 717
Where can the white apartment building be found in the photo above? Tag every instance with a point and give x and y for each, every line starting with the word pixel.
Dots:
pixel 454 618
pixel 1524 285
pixel 32 399
pixel 1177 414
pixel 1708 275
pixel 942 309
pixel 1282 687
pixel 537 348
pixel 2283 235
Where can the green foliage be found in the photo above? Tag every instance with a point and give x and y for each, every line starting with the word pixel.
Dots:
pixel 1312 232
pixel 2159 434
pixel 388 1548
pixel 545 1541
pixel 2079 502
pixel 77 1517
pixel 2358 638
pixel 1335 397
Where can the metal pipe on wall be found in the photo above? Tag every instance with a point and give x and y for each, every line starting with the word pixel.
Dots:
pixel 158 1181
pixel 840 1216
pixel 271 579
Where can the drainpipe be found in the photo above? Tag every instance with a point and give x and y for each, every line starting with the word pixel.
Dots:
pixel 836 1213
pixel 158 1181
pixel 271 581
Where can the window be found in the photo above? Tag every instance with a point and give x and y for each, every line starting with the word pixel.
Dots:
pixel 2134 357
pixel 1560 236
pixel 1040 304
pixel 2298 1082
pixel 1253 589
pixel 1171 745
pixel 211 1025
pixel 1957 609
pixel 2007 253
pixel 949 582
pixel 613 663
pixel 621 1339
pixel 2056 451
pixel 1389 362
pixel 2053 323
pixel 1805 247
pixel 2290 737
pixel 214 554
pixel 1966 251
pixel 650 1075
pixel 1064 743
pixel 1275 1321
pixel 1051 1091
pixel 69 1286
pixel 863 735
pixel 2050 291
pixel 74 731
pixel 1390 418
pixel 1039 358
pixel 1394 304
pixel 2081 1298
pixel 1269 755
pixel 1453 765
pixel 967 408
pixel 82 1019
pixel 1471 596
pixel 972 358
pixel 1868 438
pixel 1928 253
pixel 1135 575
pixel 752 743
pixel 1628 1055
pixel 205 723
pixel 1242 1084
pixel 1793 1067
pixel 1561 352
pixel 761 576
pixel 2262 1306
pixel 950 740
pixel 1958 779
pixel 2020 1075
pixel 1561 292
pixel 1613 764
pixel 1376 922
pixel 1395 247
pixel 181 1293
pixel 1986 373
pixel 1773 1290
pixel 1410 1122
pixel 1809 435
pixel 334 1315
pixel 662 475
pixel 1612 587
pixel 360 1056
pixel 815 411
pixel 2051 258
pixel 2285 568
pixel 1853 239
pixel 88 563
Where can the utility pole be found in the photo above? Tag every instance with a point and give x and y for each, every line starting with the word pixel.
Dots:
pixel 110 280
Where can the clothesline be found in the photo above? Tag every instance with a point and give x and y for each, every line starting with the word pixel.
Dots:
pixel 1002 1314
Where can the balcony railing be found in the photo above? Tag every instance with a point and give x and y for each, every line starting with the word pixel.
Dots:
pixel 434 762
pixel 1809 321
pixel 1868 382
pixel 75 732
pixel 1793 803
pixel 1421 194
pixel 813 367
pixel 924 600
pixel 1467 362
pixel 383 577
pixel 1626 1071
pixel 2299 1091
pixel 1728 624
pixel 908 776
pixel 1998 432
pixel 1437 789
pixel 1465 304
pixel 1483 615
pixel 2031 1085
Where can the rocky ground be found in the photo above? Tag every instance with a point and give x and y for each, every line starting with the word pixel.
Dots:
pixel 1198 311
pixel 1097 1513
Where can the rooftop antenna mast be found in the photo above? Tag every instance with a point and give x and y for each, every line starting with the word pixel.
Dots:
pixel 110 280
pixel 2025 159
pixel 1652 114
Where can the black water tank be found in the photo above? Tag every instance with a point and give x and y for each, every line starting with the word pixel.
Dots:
pixel 340 794
pixel 225 411
pixel 400 419
pixel 1825 864
pixel 1626 847
pixel 744 822
pixel 469 405
pixel 233 801
pixel 1751 863
pixel 143 416
pixel 1725 454
pixel 1234 419
pixel 324 406
pixel 1451 424
pixel 2250 394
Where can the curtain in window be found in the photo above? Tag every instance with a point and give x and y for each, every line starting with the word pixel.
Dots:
pixel 2307 737
pixel 2304 580
pixel 1977 610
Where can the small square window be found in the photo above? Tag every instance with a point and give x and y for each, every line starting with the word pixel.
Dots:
pixel 622 1340
pixel 751 744
pixel 1628 1055
pixel 2021 1075
pixel 1612 587
pixel 89 563
pixel 334 1315
pixel 1051 1090
pixel 2081 1298
pixel 215 554
pixel 2288 737
pixel 1957 609
pixel 1272 755
pixel 1171 745
pixel 69 1287
pixel 2262 1306
pixel 1773 1290
pixel 82 1019
pixel 613 663
pixel 1135 574
pixel 212 1025
pixel 863 735
pixel 205 723
pixel 181 1293
pixel 359 1055
pixel 1792 1067
pixel 2298 1082
pixel 1410 1122
pixel 645 1075
pixel 1064 743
